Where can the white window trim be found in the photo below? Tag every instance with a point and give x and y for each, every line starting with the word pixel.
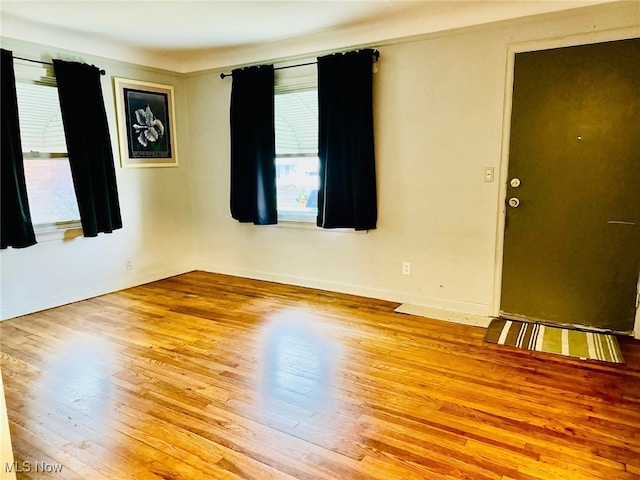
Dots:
pixel 28 73
pixel 289 81
pixel 46 232
pixel 306 225
pixel 296 217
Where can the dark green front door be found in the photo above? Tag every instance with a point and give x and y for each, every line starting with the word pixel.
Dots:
pixel 572 233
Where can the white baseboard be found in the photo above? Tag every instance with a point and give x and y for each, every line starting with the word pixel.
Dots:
pixel 437 304
pixel 446 315
pixel 55 301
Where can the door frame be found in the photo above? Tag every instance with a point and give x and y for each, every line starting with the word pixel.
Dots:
pixel 512 50
pixel 636 330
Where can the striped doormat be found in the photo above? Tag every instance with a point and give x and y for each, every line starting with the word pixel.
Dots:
pixel 563 341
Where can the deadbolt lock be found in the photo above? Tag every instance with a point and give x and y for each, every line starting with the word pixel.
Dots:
pixel 514 202
pixel 515 182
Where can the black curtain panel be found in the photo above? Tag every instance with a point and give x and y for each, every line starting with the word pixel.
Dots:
pixel 347 195
pixel 16 229
pixel 89 146
pixel 253 169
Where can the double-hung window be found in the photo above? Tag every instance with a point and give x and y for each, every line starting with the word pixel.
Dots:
pixel 296 129
pixel 52 199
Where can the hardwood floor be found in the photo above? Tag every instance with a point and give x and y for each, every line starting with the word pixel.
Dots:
pixel 206 376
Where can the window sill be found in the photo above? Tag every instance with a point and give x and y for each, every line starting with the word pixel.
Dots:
pixel 308 222
pixel 46 232
pixel 297 224
pixel 297 217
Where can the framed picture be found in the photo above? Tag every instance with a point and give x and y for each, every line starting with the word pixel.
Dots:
pixel 146 124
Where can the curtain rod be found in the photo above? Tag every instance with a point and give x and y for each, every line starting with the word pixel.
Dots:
pixel 223 75
pixel 102 72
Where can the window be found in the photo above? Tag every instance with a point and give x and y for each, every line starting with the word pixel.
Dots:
pixel 52 199
pixel 296 126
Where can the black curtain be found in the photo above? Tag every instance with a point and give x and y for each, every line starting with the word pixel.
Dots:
pixel 89 146
pixel 347 195
pixel 16 229
pixel 253 151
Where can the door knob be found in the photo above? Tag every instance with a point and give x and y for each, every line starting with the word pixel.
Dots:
pixel 514 202
pixel 515 182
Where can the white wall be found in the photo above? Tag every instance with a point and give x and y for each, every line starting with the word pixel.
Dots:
pixel 439 105
pixel 157 231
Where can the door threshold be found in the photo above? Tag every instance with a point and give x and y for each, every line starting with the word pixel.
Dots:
pixel 572 326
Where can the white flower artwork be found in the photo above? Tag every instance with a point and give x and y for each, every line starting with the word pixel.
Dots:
pixel 148 128
pixel 146 123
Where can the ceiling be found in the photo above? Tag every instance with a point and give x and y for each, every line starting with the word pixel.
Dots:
pixel 190 35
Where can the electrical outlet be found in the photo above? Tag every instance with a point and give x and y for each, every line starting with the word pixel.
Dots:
pixel 406 268
pixel 488 174
pixel 129 264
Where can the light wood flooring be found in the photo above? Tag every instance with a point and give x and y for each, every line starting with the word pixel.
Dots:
pixel 205 376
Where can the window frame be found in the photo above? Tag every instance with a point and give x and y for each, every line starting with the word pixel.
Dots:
pixel 287 81
pixel 43 75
